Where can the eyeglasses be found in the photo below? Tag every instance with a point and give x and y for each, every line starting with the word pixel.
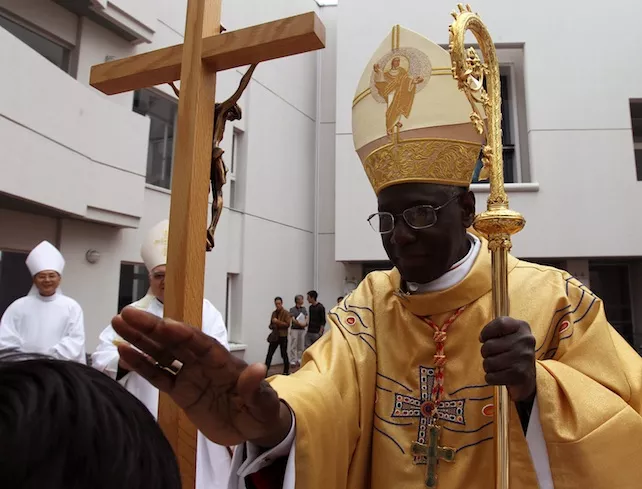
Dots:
pixel 158 276
pixel 418 217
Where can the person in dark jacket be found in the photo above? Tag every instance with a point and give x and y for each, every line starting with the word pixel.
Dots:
pixel 317 319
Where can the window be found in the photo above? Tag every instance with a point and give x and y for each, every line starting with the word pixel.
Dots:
pixel 548 262
pixel 369 267
pixel 162 112
pixel 134 283
pixel 228 293
pixel 610 282
pixel 232 306
pixel 636 124
pixel 54 51
pixel 515 137
pixel 15 279
pixel 234 163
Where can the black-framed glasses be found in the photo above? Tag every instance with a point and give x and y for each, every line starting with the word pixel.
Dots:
pixel 417 217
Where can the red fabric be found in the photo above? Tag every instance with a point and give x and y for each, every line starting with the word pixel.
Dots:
pixel 270 477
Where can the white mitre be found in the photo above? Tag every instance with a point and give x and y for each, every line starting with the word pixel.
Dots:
pixel 43 257
pixel 154 248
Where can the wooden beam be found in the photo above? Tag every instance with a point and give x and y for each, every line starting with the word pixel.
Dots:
pixel 185 275
pixel 285 37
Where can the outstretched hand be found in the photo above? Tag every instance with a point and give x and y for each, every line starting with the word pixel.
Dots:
pixel 228 400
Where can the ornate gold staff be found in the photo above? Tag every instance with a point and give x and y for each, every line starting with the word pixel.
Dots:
pixel 498 223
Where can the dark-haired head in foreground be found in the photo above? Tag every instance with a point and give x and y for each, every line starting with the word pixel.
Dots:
pixel 64 425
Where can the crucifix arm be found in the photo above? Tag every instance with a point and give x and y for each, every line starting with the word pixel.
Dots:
pixel 222 112
pixel 175 89
pixel 236 96
pixel 239 91
pixel 277 39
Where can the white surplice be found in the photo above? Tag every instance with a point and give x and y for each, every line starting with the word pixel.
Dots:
pixel 255 459
pixel 50 326
pixel 212 460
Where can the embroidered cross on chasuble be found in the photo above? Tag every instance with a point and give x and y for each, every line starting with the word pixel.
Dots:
pixel 431 453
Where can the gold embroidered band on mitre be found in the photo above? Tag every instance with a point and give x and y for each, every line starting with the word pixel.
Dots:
pixel 427 160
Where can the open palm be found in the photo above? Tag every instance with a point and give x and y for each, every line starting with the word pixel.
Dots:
pixel 227 399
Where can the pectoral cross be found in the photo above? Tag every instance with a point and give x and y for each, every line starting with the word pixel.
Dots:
pixel 433 453
pixel 195 63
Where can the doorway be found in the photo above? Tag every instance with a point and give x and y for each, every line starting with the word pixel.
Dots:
pixel 15 279
pixel 610 282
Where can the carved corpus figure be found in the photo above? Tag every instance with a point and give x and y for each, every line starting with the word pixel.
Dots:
pixel 223 112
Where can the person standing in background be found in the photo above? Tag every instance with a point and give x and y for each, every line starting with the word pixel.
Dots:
pixel 317 319
pixel 45 321
pixel 212 461
pixel 279 324
pixel 299 316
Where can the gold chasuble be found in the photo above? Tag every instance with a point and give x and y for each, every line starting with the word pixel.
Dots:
pixel 395 396
pixel 359 399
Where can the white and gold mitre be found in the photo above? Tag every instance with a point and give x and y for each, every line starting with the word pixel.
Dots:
pixel 410 122
pixel 154 248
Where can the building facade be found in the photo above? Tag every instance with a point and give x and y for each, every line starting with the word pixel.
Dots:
pixel 92 174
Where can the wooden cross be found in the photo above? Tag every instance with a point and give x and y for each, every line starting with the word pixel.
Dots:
pixel 433 453
pixel 195 63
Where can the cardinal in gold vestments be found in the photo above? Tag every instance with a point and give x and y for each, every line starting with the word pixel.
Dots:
pixel 400 395
pixel 357 401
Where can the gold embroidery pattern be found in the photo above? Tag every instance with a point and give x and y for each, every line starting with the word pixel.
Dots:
pixel 163 241
pixel 435 72
pixel 395 80
pixel 396 34
pixel 422 160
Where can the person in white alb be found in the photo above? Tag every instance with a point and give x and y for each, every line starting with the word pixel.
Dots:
pixel 45 321
pixel 213 461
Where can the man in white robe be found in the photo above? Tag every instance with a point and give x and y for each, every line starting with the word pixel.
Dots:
pixel 45 321
pixel 213 461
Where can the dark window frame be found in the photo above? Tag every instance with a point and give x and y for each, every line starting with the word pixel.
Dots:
pixel 160 151
pixel 17 24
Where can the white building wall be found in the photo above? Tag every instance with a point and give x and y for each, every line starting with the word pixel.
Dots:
pixel 277 256
pixel 331 275
pixel 22 232
pixel 95 46
pixel 578 120
pixel 63 145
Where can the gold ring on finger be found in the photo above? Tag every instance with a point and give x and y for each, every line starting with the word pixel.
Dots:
pixel 174 368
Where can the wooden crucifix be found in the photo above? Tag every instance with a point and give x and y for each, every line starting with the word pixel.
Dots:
pixel 195 63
